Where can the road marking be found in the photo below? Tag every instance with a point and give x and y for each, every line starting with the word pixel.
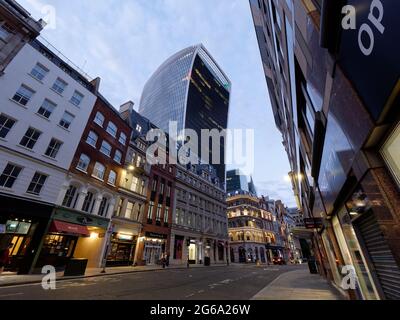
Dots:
pixel 11 294
pixel 190 295
pixel 200 291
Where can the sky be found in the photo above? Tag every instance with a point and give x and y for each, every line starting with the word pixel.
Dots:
pixel 124 41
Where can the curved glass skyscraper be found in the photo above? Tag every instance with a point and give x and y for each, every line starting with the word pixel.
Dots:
pixel 191 89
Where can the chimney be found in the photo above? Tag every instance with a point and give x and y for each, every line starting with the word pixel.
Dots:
pixel 96 84
pixel 126 107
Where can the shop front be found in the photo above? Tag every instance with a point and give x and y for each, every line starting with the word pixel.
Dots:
pixel 73 235
pixel 22 225
pixel 152 246
pixel 123 243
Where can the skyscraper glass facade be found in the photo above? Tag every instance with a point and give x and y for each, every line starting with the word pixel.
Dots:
pixel 192 90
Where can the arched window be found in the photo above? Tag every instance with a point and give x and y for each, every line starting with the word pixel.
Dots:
pixel 83 162
pixel 112 129
pixel 104 205
pixel 99 171
pixel 88 203
pixel 70 197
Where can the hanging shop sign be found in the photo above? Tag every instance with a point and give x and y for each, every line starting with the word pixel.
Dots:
pixel 369 51
pixel 313 223
pixel 156 235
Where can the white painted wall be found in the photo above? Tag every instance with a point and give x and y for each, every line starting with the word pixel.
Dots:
pixel 50 189
pixel 17 73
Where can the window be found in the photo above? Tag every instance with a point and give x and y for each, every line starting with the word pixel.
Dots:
pixel 134 184
pixel 39 72
pixel 6 31
pixel 138 161
pixel 118 156
pixel 122 138
pixel 103 207
pixel 83 162
pixel 105 148
pixel 99 119
pixel 23 95
pixel 154 186
pixel 30 138
pixel 162 188
pixel 99 171
pixel 47 108
pixel 92 139
pixel 150 210
pixel 158 214
pixel 9 175
pixel 166 215
pixel 138 128
pixel 76 98
pixel 112 129
pixel 53 148
pixel 129 210
pixel 59 86
pixel 66 120
pixel 112 178
pixel 169 191
pixel 37 183
pixel 6 124
pixel 70 197
pixel 88 203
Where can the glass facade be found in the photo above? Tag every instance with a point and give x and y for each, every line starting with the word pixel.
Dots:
pixel 192 90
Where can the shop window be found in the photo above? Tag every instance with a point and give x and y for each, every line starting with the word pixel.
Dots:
pixel 391 153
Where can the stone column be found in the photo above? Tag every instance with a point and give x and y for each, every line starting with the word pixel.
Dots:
pixel 97 203
pixel 81 198
pixel 111 208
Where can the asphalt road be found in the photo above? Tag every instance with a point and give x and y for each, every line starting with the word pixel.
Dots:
pixel 239 282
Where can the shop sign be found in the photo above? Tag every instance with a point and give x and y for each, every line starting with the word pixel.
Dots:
pixel 125 237
pixel 156 235
pixel 313 223
pixel 369 53
pixel 82 219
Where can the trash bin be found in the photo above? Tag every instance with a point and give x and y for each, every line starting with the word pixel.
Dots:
pixel 312 266
pixel 75 267
pixel 206 261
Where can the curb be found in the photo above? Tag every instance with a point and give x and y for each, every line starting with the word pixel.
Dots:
pixel 5 285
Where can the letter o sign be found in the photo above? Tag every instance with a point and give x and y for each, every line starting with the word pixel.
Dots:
pixel 366 50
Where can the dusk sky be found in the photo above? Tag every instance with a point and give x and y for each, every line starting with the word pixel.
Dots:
pixel 124 42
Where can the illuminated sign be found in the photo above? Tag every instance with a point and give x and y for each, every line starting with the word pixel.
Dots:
pixel 127 237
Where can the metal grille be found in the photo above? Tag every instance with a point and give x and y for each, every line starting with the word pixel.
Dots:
pixel 385 265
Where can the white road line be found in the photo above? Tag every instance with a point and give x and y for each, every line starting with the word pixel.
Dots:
pixel 190 295
pixel 11 294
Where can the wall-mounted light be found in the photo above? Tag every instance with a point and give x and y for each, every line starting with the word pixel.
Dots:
pixel 94 235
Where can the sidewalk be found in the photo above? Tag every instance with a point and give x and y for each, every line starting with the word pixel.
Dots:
pixel 299 285
pixel 10 279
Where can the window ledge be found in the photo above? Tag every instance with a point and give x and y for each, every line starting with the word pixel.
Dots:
pixel 97 178
pixel 50 158
pixel 75 105
pixel 63 128
pixel 19 104
pixel 25 148
pixel 56 92
pixel 42 116
pixel 3 139
pixel 33 77
pixel 34 195
pixel 81 170
pixel 10 190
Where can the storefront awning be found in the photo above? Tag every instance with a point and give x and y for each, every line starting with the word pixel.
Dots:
pixel 70 228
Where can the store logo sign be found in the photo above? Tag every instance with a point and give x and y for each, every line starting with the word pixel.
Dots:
pixel 369 29
pixel 49 280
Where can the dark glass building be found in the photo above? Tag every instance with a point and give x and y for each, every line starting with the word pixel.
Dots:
pixel 191 89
